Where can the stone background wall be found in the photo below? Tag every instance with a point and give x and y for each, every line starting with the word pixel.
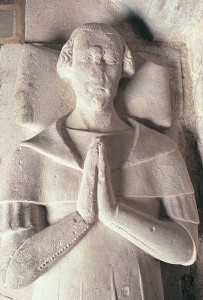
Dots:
pixel 169 32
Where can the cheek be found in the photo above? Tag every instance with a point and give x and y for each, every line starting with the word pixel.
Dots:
pixel 77 74
pixel 80 70
pixel 114 78
pixel 114 72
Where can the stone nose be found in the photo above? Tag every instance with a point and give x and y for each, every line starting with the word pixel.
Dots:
pixel 97 73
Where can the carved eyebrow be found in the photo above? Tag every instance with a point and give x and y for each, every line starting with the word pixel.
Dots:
pixel 96 50
pixel 112 54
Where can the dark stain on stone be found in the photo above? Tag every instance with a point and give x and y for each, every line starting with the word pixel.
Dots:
pixel 139 26
pixel 188 287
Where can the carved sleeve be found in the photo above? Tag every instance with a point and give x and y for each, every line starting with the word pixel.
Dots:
pixel 29 247
pixel 183 210
pixel 20 215
pixel 166 240
pixel 40 252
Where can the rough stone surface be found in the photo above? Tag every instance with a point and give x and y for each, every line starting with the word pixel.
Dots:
pixel 166 20
pixel 12 22
pixel 175 22
pixel 6 23
pixel 11 133
pixel 42 25
pixel 37 66
pixel 150 147
pixel 159 20
pixel 153 99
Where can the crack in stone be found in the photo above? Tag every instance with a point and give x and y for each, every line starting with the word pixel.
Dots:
pixel 7 297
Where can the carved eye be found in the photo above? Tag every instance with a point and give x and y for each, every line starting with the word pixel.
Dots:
pixel 110 58
pixel 83 57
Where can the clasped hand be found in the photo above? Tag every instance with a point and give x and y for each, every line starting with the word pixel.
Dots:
pixel 96 199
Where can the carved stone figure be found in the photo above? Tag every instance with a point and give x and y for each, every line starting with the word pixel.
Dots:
pixel 95 201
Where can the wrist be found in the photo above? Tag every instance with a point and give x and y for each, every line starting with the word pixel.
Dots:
pixel 107 216
pixel 87 217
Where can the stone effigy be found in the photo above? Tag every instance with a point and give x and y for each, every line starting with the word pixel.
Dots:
pixel 94 202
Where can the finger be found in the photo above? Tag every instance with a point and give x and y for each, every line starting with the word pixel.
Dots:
pixel 89 178
pixel 91 161
pixel 6 215
pixel 17 220
pixel 105 193
pixel 86 204
pixel 105 201
pixel 96 141
pixel 103 166
pixel 92 153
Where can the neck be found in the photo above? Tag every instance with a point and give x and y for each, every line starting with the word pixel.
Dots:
pixel 105 120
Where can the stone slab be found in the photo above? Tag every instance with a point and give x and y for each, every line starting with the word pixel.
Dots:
pixel 38 86
pixel 47 21
pixel 11 134
pixel 31 61
pixel 39 64
pixel 7 23
pixel 12 29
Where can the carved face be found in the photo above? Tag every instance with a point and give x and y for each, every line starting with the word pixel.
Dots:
pixel 96 68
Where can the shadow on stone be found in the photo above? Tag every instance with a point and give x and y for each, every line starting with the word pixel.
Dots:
pixel 139 27
pixel 188 287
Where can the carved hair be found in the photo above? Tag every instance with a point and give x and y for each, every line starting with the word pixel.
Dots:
pixel 65 58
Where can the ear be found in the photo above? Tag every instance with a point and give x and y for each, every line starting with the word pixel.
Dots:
pixel 128 63
pixel 65 60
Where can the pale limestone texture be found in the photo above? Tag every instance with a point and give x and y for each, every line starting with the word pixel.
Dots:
pixel 37 65
pixel 11 133
pixel 48 22
pixel 12 22
pixel 177 35
pixel 167 20
pixel 148 95
pixel 95 183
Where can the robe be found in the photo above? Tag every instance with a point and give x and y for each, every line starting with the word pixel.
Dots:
pixel 147 173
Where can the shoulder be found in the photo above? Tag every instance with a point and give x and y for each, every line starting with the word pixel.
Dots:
pixel 155 160
pixel 45 138
pixel 151 145
pixel 27 156
pixel 53 143
pixel 48 142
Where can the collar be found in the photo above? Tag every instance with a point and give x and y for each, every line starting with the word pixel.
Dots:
pixel 54 142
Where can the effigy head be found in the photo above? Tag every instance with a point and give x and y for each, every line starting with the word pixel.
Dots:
pixel 101 30
pixel 95 58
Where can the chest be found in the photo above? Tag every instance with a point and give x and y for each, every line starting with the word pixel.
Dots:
pixel 59 187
